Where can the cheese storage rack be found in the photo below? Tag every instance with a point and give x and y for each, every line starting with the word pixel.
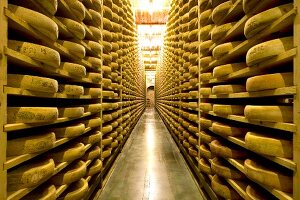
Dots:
pixel 62 91
pixel 239 64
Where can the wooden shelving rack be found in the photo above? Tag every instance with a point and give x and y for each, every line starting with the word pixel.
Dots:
pixel 121 104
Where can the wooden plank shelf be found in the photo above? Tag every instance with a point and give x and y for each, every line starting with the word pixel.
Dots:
pixel 21 126
pixel 60 189
pixel 239 186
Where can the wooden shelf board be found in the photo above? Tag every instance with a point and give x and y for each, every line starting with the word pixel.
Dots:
pixel 60 189
pixel 239 186
pixel 20 126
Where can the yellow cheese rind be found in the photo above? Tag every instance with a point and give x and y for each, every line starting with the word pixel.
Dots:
pixel 224 70
pixel 92 153
pixel 95 62
pixel 206 107
pixel 77 8
pixel 204 166
pixel 220 109
pixel 74 69
pixel 205 151
pixel 95 46
pixel 228 89
pixel 73 48
pixel 106 153
pixel 93 108
pixel 37 20
pixel 74 27
pixel 255 193
pixel 30 175
pixel 31 114
pixel 76 190
pixel 269 145
pixel 268 50
pixel 70 131
pixel 269 81
pixel 223 189
pixel 223 49
pixel 205 123
pixel 75 90
pixel 262 20
pixel 269 113
pixel 220 31
pixel 95 92
pixel 91 138
pixel 107 141
pixel 67 153
pixel 33 83
pixel 30 144
pixel 94 168
pixel 227 150
pixel 94 77
pixel 71 112
pixel 205 91
pixel 205 32
pixel 228 130
pixel 225 170
pixel 221 11
pixel 37 52
pixel 268 176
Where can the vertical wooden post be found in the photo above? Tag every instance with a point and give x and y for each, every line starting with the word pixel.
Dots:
pixel 199 100
pixel 3 99
pixel 296 139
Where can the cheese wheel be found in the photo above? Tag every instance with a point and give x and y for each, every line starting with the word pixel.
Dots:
pixel 95 92
pixel 114 144
pixel 227 150
pixel 37 20
pixel 228 130
pixel 73 48
pixel 44 192
pixel 70 131
pixel 72 173
pixel 223 49
pixel 73 27
pixel 220 31
pixel 92 123
pixel 268 50
pixel 106 69
pixel 93 108
pixel 91 138
pixel 269 145
pixel 94 168
pixel 95 77
pixel 75 90
pixel 106 82
pixel 96 32
pixel 71 112
pixel 204 4
pixel 221 188
pixel 205 123
pixel 215 3
pixel 269 81
pixel 33 83
pixel 107 141
pixel 76 190
pixel 205 91
pixel 67 153
pixel 228 89
pixel 77 9
pixel 95 46
pixel 186 144
pixel 107 25
pixel 228 109
pixel 96 17
pixel 120 137
pixel 31 114
pixel 193 152
pixel 107 36
pixel 206 107
pixel 205 17
pixel 262 20
pixel 204 77
pixel 224 70
pixel 205 151
pixel 30 175
pixel 106 153
pixel 248 5
pixel 220 12
pixel 269 175
pixel 37 52
pixel 206 138
pixel 269 113
pixel 30 144
pixel 256 193
pixel 205 32
pixel 193 140
pixel 204 47
pixel 74 69
pixel 204 62
pixel 92 153
pixel 204 166
pixel 223 169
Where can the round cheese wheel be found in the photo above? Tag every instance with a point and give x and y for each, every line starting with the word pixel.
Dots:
pixel 205 91
pixel 205 32
pixel 37 20
pixel 74 69
pixel 256 193
pixel 92 153
pixel 107 141
pixel 107 25
pixel 30 175
pixel 204 166
pixel 30 144
pixel 96 17
pixel 94 92
pixel 67 153
pixel 95 77
pixel 193 140
pixel 220 31
pixel 93 108
pixel 33 83
pixel 70 131
pixel 228 109
pixel 268 50
pixel 44 192
pixel 222 189
pixel 92 123
pixel 206 138
pixel 223 49
pixel 228 130
pixel 224 70
pixel 94 168
pixel 204 47
pixel 204 62
pixel 205 123
pixel 206 107
pixel 74 27
pixel 269 113
pixel 36 52
pixel 269 176
pixel 204 77
pixel 95 46
pixel 120 137
pixel 205 17
pixel 248 5
pixel 225 170
pixel 76 190
pixel 77 8
pixel 269 145
pixel 205 151
pixel 114 144
pixel 262 20
pixel 73 48
pixel 193 152
pixel 31 114
pixel 106 153
pixel 96 32
pixel 72 173
pixel 228 89
pixel 227 150
pixel 221 11
pixel 270 81
pixel 71 112
pixel 91 138
pixel 75 90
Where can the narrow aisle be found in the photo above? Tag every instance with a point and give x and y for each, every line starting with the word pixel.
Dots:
pixel 151 166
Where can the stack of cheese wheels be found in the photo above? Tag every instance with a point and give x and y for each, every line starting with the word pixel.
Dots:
pixel 67 153
pixel 30 174
pixel 76 190
pixel 222 168
pixel 269 175
pixel 36 143
pixel 223 189
pixel 227 150
pixel 42 192
pixel 270 145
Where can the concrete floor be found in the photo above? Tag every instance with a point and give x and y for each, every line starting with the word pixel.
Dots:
pixel 150 167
